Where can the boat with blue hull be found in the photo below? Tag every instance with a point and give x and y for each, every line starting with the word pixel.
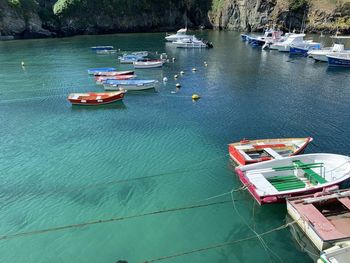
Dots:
pixel 101 48
pixel 244 37
pixel 95 70
pixel 303 49
pixel 339 60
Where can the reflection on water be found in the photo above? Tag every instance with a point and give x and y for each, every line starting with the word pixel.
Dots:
pixel 118 105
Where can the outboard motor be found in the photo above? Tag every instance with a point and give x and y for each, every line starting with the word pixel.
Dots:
pixel 209 44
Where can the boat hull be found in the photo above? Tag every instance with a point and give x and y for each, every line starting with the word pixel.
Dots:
pixel 129 87
pixel 338 61
pixel 93 100
pixel 148 64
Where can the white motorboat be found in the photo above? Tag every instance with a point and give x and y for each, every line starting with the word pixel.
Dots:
pixel 157 63
pixel 180 34
pixel 192 42
pixel 292 39
pixel 337 48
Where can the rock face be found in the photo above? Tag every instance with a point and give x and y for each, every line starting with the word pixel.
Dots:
pixel 45 18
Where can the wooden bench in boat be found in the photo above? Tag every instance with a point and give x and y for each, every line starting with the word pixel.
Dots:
pixel 273 153
pixel 246 156
pixel 313 177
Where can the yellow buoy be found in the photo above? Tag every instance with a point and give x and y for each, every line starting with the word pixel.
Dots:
pixel 196 97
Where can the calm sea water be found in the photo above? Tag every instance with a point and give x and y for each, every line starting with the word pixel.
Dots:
pixel 62 165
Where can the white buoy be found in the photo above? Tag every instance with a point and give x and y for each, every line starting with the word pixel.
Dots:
pixel 165 79
pixel 22 63
pixel 174 59
pixel 205 62
pixel 178 85
pixel 194 69
pixel 176 76
pixel 167 60
pixel 182 72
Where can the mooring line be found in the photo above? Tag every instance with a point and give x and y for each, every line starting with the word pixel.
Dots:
pixel 228 243
pixel 103 221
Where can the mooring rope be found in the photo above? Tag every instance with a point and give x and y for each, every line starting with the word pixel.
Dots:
pixel 228 243
pixel 103 221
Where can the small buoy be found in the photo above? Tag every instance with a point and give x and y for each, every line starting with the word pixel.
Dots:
pixel 176 76
pixel 195 97
pixel 194 69
pixel 167 60
pixel 205 62
pixel 173 92
pixel 182 72
pixel 178 85
pixel 174 59
pixel 165 79
pixel 22 63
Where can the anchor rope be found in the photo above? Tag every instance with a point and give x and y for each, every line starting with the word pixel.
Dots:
pixel 219 245
pixel 108 220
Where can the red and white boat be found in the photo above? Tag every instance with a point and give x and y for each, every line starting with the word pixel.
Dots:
pixel 274 181
pixel 100 79
pixel 113 73
pixel 248 152
pixel 325 220
pixel 96 98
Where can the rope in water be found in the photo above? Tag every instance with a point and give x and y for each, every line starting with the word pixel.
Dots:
pixel 103 221
pixel 228 243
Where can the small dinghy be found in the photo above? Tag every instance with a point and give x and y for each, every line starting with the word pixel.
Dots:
pixel 137 84
pixel 101 79
pixel 274 181
pixel 95 98
pixel 248 152
pixel 94 70
pixel 113 73
pixel 156 63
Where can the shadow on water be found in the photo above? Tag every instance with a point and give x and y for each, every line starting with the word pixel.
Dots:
pixel 119 105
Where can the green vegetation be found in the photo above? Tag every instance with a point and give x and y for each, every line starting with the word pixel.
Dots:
pixel 296 5
pixel 26 5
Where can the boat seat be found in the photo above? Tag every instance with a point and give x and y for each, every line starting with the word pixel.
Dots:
pixel 311 174
pixel 273 153
pixel 246 156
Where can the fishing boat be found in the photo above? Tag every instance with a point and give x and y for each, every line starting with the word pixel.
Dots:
pixel 338 47
pixel 339 60
pixel 101 79
pixel 274 181
pixel 304 48
pixel 133 84
pixel 254 151
pixel 192 42
pixel 156 63
pixel 113 73
pixel 94 70
pixel 270 36
pixel 324 217
pixel 180 34
pixel 101 48
pixel 106 51
pixel 96 98
pixel 134 56
pixel 339 253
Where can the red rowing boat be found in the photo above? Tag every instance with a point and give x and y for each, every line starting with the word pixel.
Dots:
pixel 100 79
pixel 95 98
pixel 114 73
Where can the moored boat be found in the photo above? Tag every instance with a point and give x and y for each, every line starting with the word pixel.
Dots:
pixel 113 73
pixel 101 48
pixel 292 39
pixel 94 70
pixel 324 217
pixel 180 34
pixel 339 60
pixel 192 42
pixel 101 79
pixel 133 84
pixel 156 63
pixel 96 98
pixel 254 151
pixel 274 181
pixel 304 48
pixel 339 253
pixel 337 48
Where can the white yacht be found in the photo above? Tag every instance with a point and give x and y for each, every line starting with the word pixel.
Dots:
pixel 292 39
pixel 337 48
pixel 180 34
pixel 192 42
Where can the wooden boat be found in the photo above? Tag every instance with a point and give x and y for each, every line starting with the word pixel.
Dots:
pixel 94 70
pixel 274 181
pixel 248 152
pixel 324 217
pixel 339 253
pixel 113 73
pixel 339 60
pixel 149 63
pixel 96 98
pixel 133 84
pixel 100 79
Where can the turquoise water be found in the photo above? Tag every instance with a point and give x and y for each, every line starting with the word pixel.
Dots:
pixel 62 165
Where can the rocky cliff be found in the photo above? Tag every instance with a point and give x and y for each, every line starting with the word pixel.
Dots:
pixel 43 18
